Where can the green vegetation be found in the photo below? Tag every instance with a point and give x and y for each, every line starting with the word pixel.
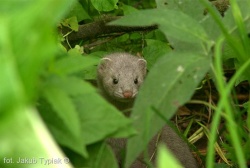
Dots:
pixel 50 112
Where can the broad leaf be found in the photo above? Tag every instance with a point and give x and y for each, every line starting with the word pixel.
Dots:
pixel 104 5
pixel 99 119
pixel 172 23
pixel 185 6
pixel 170 83
pixel 73 64
pixel 128 9
pixel 71 23
pixel 101 156
pixel 26 45
pixel 64 108
pixel 24 135
pixel 154 50
pixel 163 155
pixel 78 11
pixel 61 132
pixel 71 85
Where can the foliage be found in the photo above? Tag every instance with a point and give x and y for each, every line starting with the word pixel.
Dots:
pixel 23 133
pixel 46 105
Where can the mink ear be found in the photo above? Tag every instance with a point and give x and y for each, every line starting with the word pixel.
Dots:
pixel 105 60
pixel 104 63
pixel 142 65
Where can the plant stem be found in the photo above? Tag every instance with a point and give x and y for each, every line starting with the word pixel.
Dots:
pixel 224 104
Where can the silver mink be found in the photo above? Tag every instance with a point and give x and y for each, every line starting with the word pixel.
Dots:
pixel 119 77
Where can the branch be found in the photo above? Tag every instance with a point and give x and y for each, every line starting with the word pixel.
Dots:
pixel 100 27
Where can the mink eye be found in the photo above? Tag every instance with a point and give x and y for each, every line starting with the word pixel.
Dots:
pixel 115 81
pixel 136 81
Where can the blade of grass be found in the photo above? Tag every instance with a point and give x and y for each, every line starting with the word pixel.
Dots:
pixel 188 128
pixel 241 27
pixel 202 102
pixel 216 145
pixel 232 42
pixel 198 134
pixel 224 104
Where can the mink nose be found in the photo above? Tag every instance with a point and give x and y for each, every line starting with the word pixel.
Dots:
pixel 127 94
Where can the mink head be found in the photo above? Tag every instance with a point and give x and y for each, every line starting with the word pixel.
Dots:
pixel 120 75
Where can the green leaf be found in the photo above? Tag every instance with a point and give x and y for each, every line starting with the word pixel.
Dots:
pixel 128 9
pixel 104 5
pixel 236 22
pixel 71 85
pixel 78 11
pixel 105 158
pixel 228 52
pixel 177 24
pixel 221 165
pixel 88 73
pixel 12 91
pixel 21 128
pixel 62 118
pixel 161 3
pixel 163 155
pixel 64 108
pixel 25 46
pixel 60 131
pixel 154 50
pixel 73 64
pixel 192 8
pixel 99 119
pixel 101 156
pixel 156 35
pixel 211 27
pixel 228 20
pixel 71 23
pixel 170 83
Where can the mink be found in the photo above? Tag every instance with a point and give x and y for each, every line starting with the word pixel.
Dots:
pixel 119 77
